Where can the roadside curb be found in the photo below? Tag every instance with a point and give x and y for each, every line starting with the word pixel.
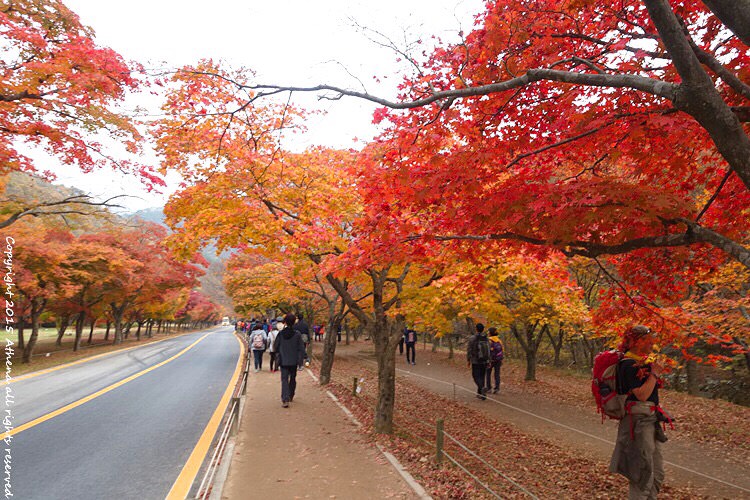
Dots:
pixel 405 475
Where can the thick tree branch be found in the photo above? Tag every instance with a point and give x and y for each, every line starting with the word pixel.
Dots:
pixel 735 14
pixel 61 207
pixel 697 95
pixel 693 235
pixel 649 85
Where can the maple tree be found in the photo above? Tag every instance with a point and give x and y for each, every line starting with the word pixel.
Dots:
pixel 608 127
pixel 245 191
pixel 58 88
pixel 38 274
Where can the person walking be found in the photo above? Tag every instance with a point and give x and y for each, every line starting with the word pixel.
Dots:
pixel 258 343
pixel 401 342
pixel 304 330
pixel 290 351
pixel 274 362
pixel 496 360
pixel 410 339
pixel 637 454
pixel 478 357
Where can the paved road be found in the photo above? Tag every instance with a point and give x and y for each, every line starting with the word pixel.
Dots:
pixel 128 442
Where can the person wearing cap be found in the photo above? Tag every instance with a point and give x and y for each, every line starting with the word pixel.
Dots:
pixel 637 454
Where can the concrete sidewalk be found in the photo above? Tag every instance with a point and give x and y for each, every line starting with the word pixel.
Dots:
pixel 309 450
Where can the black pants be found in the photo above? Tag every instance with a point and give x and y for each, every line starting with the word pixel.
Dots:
pixel 410 348
pixel 494 367
pixel 478 373
pixel 288 382
pixel 258 359
pixel 401 346
pixel 274 361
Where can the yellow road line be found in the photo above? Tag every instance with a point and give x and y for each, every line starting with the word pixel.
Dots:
pixel 184 482
pixel 107 389
pixel 85 360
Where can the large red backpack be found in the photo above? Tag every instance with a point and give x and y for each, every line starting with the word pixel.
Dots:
pixel 604 385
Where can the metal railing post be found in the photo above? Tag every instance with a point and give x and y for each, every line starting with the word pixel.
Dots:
pixel 234 416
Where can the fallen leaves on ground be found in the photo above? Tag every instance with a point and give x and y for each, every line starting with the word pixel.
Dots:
pixel 520 461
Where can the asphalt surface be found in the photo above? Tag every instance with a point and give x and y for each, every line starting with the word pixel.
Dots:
pixel 130 442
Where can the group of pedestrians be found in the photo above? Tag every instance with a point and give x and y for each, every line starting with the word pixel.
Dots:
pixel 286 339
pixel 484 354
pixel 409 340
pixel 637 454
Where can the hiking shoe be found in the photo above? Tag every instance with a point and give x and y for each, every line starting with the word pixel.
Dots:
pixel 285 405
pixel 495 391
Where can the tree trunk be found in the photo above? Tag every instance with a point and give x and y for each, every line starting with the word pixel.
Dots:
pixel 530 365
pixel 91 330
pixel 451 342
pixel 62 324
pixel 329 345
pixel 385 337
pixel 117 313
pixel 138 331
pixel 530 345
pixel 158 327
pixel 693 384
pixel 37 307
pixel 557 343
pixel 106 333
pixel 79 330
pixel 21 340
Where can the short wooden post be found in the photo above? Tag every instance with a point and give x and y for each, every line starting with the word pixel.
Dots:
pixel 454 391
pixel 354 386
pixel 440 436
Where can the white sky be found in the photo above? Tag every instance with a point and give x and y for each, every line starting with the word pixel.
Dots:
pixel 284 41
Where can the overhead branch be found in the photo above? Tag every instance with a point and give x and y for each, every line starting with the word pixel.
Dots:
pixel 649 85
pixel 697 95
pixel 66 206
pixel 694 234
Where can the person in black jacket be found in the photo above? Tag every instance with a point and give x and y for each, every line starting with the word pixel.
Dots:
pixel 304 330
pixel 478 358
pixel 290 351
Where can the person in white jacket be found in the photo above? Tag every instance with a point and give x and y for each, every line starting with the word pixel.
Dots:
pixel 258 343
pixel 272 353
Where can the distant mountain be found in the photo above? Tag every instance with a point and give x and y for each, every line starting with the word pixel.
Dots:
pixel 153 214
pixel 19 190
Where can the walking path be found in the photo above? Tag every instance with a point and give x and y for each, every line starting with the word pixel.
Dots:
pixel 687 462
pixel 309 450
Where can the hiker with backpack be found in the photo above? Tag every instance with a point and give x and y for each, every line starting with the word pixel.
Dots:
pixel 258 343
pixel 410 339
pixel 478 357
pixel 637 454
pixel 291 351
pixel 496 360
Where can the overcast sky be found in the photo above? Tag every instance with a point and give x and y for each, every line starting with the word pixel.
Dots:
pixel 284 41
